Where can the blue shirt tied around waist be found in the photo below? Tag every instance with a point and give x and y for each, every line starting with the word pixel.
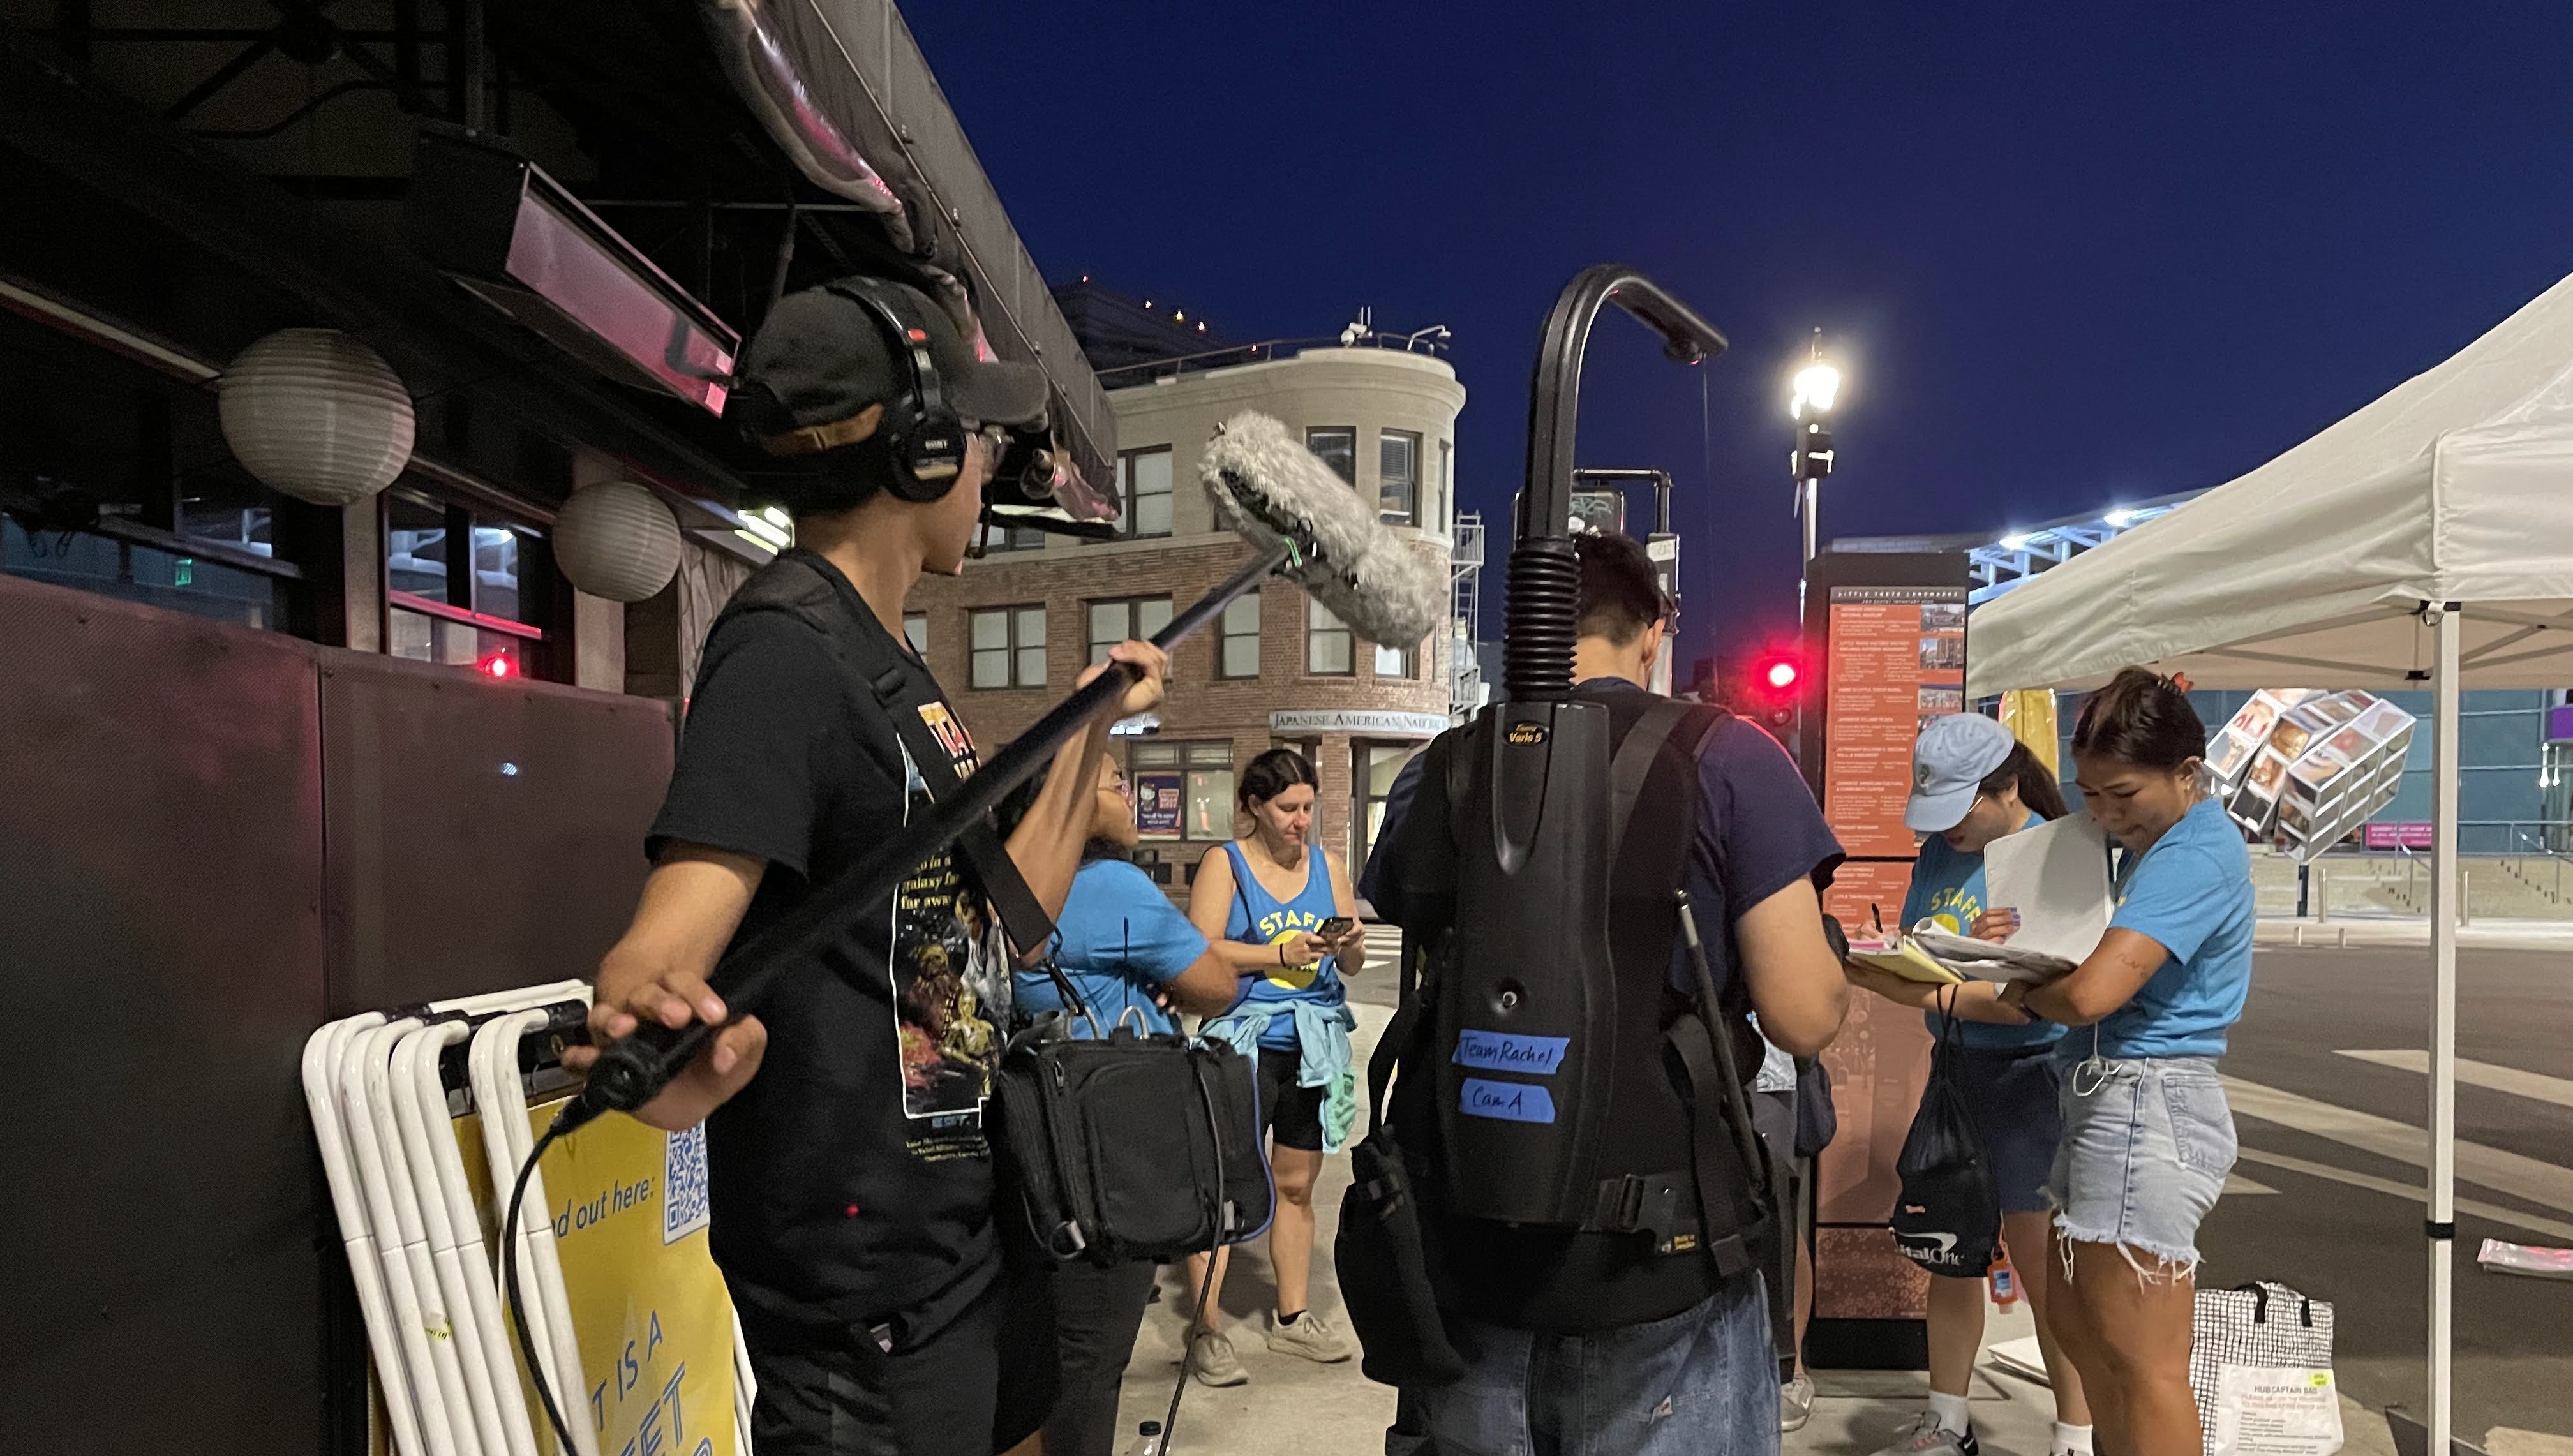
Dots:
pixel 1948 887
pixel 2191 893
pixel 1118 941
pixel 1299 1009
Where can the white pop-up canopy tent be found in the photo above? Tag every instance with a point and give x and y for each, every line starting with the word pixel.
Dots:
pixel 2424 542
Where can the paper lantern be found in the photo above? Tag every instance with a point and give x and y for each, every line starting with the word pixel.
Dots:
pixel 317 416
pixel 617 540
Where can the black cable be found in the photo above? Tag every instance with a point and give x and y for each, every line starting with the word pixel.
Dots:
pixel 518 1309
pixel 1223 1227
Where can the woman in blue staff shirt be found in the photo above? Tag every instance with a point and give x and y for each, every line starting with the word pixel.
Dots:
pixel 2147 1138
pixel 1128 954
pixel 1974 783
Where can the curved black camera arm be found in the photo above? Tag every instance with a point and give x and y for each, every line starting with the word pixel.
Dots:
pixel 1545 577
pixel 1554 404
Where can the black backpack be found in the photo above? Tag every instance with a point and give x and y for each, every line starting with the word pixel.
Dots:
pixel 1949 1217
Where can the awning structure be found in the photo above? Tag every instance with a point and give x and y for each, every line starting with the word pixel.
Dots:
pixel 2311 571
pixel 2425 540
pixel 842 89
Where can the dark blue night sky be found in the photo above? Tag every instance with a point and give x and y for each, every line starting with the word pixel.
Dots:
pixel 2070 255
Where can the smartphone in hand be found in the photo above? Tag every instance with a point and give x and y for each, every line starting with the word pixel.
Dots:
pixel 1335 927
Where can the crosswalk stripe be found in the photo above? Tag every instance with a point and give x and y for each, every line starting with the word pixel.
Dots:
pixel 2493 1168
pixel 2534 1085
pixel 2533 1222
pixel 2236 1186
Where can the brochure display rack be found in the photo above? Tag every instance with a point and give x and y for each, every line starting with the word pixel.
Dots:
pixel 2305 768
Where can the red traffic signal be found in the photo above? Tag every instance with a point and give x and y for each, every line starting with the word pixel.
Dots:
pixel 1776 687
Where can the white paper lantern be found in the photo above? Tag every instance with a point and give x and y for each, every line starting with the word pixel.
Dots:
pixel 617 540
pixel 317 416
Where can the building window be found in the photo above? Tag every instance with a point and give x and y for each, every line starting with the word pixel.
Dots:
pixel 915 631
pixel 116 480
pixel 1337 444
pixel 1375 766
pixel 1199 774
pixel 1329 647
pixel 1112 622
pixel 1397 661
pixel 996 539
pixel 1008 647
pixel 1397 478
pixel 1444 510
pixel 462 588
pixel 1143 494
pixel 1237 652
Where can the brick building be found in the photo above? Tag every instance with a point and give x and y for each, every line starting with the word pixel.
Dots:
pixel 1010 635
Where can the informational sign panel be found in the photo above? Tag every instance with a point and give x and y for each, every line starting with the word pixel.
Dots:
pixel 1898 660
pixel 1889 634
pixel 1157 804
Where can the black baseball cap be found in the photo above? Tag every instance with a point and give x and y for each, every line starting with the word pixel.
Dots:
pixel 821 358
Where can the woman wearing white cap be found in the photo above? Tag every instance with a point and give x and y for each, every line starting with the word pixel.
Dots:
pixel 1972 783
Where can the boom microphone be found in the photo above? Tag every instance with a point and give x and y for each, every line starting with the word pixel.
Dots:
pixel 1273 491
pixel 1298 515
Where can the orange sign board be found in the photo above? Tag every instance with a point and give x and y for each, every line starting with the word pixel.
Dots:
pixel 1898 660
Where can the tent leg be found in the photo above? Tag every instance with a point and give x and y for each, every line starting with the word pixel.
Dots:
pixel 2444 907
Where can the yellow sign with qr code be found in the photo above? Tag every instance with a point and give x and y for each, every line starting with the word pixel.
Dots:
pixel 655 1320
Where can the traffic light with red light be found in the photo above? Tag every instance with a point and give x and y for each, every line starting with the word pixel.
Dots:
pixel 1775 689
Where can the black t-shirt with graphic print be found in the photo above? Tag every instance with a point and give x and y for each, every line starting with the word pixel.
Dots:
pixel 851 1182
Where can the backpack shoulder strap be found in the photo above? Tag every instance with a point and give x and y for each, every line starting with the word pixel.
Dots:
pixel 1635 760
pixel 799 583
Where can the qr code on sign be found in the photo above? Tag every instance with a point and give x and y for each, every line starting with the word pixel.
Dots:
pixel 684 1209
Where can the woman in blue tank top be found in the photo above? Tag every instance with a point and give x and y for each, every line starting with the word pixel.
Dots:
pixel 1278 910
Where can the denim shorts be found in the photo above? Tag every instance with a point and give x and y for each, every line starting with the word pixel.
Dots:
pixel 2147 1144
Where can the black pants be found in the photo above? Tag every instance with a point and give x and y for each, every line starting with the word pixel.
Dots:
pixel 1096 1314
pixel 980 1383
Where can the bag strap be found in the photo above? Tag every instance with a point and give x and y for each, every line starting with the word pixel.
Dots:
pixel 1389 1050
pixel 1634 762
pixel 870 653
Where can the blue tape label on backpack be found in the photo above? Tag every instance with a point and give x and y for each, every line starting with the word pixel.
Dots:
pixel 1509 1102
pixel 1500 1052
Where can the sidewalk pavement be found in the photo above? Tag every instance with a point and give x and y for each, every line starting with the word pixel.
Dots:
pixel 1292 1407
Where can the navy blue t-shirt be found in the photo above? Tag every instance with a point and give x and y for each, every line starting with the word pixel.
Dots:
pixel 1758 832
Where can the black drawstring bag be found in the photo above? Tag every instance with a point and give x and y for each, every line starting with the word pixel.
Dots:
pixel 1949 1219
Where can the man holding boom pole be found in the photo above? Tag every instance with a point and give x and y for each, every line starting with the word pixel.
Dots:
pixel 851 1180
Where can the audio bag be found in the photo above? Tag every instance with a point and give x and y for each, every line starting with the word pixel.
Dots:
pixel 1134 1147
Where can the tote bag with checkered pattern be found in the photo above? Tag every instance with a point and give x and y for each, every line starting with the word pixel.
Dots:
pixel 2261 1365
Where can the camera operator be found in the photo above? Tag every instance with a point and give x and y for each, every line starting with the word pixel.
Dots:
pixel 1592 1341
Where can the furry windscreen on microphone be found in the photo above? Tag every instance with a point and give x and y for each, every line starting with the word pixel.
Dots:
pixel 1269 489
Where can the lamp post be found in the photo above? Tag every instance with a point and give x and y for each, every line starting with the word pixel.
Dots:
pixel 1818 388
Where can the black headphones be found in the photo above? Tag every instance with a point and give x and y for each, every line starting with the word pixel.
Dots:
pixel 922 437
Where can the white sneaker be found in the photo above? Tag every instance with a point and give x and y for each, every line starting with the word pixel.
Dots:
pixel 1310 1336
pixel 1927 1438
pixel 1795 1404
pixel 1212 1362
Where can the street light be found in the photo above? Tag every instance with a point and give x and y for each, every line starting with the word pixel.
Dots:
pixel 1817 394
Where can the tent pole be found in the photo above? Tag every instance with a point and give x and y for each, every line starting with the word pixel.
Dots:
pixel 2444 907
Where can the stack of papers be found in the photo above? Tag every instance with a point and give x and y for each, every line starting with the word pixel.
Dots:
pixel 2056 876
